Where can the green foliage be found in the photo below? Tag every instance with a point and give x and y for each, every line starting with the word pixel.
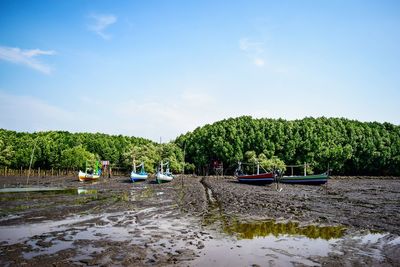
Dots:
pixel 59 149
pixel 76 157
pixel 6 153
pixel 347 146
pixel 148 154
pixel 273 163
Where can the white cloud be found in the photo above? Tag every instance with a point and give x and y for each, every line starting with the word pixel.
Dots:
pixel 251 46
pixel 100 23
pixel 26 57
pixel 259 62
pixel 254 50
pixel 27 113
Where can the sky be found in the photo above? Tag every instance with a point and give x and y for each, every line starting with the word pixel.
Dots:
pixel 158 69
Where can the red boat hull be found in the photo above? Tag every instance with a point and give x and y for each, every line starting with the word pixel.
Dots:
pixel 263 178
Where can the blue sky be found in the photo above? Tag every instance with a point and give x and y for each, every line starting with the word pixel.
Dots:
pixel 161 68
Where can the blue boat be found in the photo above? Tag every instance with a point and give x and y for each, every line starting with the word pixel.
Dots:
pixel 140 176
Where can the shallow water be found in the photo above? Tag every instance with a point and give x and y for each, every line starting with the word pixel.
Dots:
pixel 273 243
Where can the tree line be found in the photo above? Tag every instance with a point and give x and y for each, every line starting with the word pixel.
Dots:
pixel 348 147
pixel 65 150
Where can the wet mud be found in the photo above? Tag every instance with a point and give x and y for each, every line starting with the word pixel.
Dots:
pixel 199 221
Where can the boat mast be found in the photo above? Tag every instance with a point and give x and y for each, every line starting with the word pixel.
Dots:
pixel 258 167
pixel 134 164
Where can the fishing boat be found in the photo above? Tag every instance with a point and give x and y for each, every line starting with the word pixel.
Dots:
pixel 316 179
pixel 258 178
pixel 162 176
pixel 91 173
pixel 308 179
pixel 141 176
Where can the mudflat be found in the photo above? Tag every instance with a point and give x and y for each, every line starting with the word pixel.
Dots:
pixel 198 221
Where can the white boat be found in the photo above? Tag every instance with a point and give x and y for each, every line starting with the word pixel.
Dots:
pixel 163 177
pixel 141 176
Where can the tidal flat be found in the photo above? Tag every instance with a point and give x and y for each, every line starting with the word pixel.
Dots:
pixel 199 221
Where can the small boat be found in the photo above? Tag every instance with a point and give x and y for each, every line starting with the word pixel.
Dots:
pixel 90 174
pixel 162 176
pixel 141 176
pixel 308 179
pixel 87 176
pixel 258 178
pixel 315 179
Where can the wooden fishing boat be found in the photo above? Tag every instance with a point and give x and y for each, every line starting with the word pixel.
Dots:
pixel 258 178
pixel 85 176
pixel 315 179
pixel 163 177
pixel 308 179
pixel 141 176
pixel 262 178
pixel 90 173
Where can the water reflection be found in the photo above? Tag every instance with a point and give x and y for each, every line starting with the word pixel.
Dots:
pixel 83 191
pixel 13 193
pixel 250 230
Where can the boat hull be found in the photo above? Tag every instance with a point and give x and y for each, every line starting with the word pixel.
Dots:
pixel 309 179
pixel 84 177
pixel 264 178
pixel 162 178
pixel 136 177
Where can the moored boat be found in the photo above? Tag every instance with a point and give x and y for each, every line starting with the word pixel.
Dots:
pixel 141 176
pixel 315 179
pixel 84 176
pixel 135 177
pixel 308 179
pixel 258 178
pixel 90 174
pixel 163 177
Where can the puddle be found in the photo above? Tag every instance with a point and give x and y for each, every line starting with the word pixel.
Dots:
pixel 270 251
pixel 250 230
pixel 244 243
pixel 49 190
pixel 36 189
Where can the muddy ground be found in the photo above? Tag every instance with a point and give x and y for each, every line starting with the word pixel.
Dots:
pixel 115 222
